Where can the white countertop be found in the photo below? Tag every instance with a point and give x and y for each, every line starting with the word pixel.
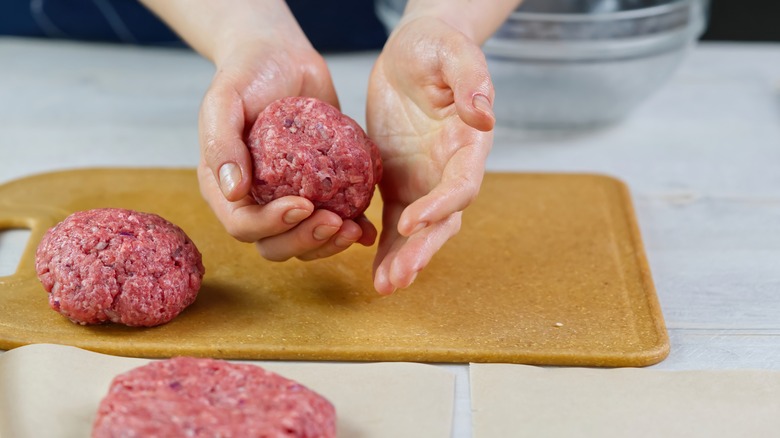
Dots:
pixel 702 158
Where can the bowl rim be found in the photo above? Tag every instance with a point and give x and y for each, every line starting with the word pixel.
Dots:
pixel 652 11
pixel 594 50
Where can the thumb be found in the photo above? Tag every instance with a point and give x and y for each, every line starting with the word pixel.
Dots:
pixel 467 74
pixel 221 128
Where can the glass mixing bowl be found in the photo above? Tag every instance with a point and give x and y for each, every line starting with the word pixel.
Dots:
pixel 582 63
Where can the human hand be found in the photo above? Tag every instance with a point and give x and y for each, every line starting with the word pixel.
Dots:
pixel 430 112
pixel 251 75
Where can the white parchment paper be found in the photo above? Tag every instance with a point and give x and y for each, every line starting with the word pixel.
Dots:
pixel 525 401
pixel 54 391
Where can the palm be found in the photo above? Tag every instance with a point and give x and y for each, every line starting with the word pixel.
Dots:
pixel 433 159
pixel 418 143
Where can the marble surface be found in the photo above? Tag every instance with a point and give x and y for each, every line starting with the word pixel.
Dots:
pixel 701 158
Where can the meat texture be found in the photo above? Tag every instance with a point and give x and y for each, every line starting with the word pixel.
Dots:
pixel 211 398
pixel 305 147
pixel 118 265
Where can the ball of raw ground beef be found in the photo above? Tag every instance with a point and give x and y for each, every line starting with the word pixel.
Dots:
pixel 305 147
pixel 208 398
pixel 118 265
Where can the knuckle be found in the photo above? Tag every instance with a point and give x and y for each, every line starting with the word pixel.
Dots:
pixel 456 227
pixel 211 148
pixel 307 257
pixel 312 255
pixel 321 253
pixel 471 194
pixel 237 232
pixel 269 254
pixel 456 222
pixel 468 188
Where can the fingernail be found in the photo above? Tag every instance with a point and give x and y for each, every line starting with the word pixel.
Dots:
pixel 411 281
pixel 482 103
pixel 381 282
pixel 229 177
pixel 323 232
pixel 295 215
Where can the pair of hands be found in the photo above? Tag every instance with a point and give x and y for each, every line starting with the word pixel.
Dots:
pixel 429 111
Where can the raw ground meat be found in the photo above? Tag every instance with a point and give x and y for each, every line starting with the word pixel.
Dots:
pixel 192 397
pixel 305 147
pixel 118 265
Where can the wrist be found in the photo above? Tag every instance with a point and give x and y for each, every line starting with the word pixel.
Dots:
pixel 269 24
pixel 232 43
pixel 218 29
pixel 474 19
pixel 431 10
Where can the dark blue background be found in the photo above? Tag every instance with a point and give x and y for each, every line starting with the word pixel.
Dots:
pixel 330 25
pixel 336 25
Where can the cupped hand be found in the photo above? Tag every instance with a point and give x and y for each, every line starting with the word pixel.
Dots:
pixel 248 78
pixel 430 112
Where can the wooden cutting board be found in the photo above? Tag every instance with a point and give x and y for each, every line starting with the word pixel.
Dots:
pixel 547 269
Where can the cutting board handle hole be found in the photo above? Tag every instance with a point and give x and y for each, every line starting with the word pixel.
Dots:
pixel 12 244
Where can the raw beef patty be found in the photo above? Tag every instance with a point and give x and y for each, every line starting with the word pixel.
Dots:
pixel 118 265
pixel 211 398
pixel 305 147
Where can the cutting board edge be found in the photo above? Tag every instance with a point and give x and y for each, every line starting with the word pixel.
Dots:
pixel 643 263
pixel 640 358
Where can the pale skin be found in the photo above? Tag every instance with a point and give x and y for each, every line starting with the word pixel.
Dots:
pixel 429 110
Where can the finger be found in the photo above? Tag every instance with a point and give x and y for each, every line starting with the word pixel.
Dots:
pixel 418 250
pixel 368 231
pixel 389 242
pixel 221 128
pixel 407 256
pixel 247 221
pixel 459 186
pixel 349 233
pixel 466 72
pixel 309 235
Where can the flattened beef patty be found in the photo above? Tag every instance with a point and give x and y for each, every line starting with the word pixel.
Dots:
pixel 211 398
